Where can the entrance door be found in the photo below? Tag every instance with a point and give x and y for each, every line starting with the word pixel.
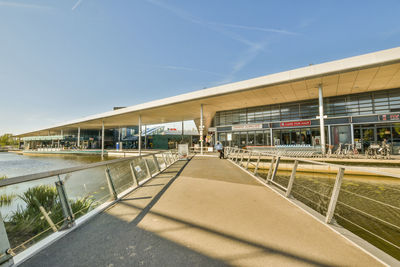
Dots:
pixel 250 139
pixel 368 137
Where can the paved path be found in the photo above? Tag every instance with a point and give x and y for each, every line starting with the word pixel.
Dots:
pixel 212 214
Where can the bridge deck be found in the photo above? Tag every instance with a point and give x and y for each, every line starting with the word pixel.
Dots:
pixel 211 214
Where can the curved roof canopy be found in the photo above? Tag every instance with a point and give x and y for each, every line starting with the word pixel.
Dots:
pixel 370 72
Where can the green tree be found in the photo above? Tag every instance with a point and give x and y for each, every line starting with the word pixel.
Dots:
pixel 7 140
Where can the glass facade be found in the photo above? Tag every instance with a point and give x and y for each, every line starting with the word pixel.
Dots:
pixel 351 105
pixel 353 119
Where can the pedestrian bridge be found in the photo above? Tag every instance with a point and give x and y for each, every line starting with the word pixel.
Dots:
pixel 205 212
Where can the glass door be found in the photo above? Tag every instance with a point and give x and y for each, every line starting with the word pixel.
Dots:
pixel 259 138
pixel 250 139
pixel 368 137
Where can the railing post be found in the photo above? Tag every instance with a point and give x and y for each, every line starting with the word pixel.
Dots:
pixel 147 167
pixel 135 180
pixel 258 162
pixel 156 163
pixel 110 183
pixel 45 215
pixel 241 158
pixel 6 255
pixel 276 168
pixel 248 161
pixel 165 161
pixel 237 155
pixel 292 177
pixel 335 196
pixel 66 207
pixel 271 167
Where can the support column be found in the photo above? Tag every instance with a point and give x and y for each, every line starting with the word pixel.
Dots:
pixel 201 129
pixel 79 136
pixel 182 131
pixel 140 136
pixel 145 136
pixel 321 118
pixel 102 139
pixel 329 135
pixel 352 133
pixel 271 137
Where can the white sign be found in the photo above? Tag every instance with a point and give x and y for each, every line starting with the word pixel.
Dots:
pixel 210 149
pixel 138 169
pixel 247 126
pixel 183 150
pixel 229 136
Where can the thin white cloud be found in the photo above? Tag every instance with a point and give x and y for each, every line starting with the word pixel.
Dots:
pixel 246 58
pixel 22 5
pixel 253 28
pixel 253 48
pixel 170 67
pixel 76 5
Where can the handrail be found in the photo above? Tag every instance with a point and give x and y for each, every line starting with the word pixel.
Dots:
pixel 325 202
pixel 325 163
pixel 41 175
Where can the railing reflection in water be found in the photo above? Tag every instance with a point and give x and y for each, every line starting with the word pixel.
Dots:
pixel 34 206
pixel 365 202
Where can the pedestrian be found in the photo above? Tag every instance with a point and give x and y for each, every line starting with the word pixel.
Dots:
pixel 220 149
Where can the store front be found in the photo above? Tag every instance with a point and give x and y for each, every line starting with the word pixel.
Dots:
pixel 367 134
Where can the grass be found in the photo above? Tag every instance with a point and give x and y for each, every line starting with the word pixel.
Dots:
pixel 26 222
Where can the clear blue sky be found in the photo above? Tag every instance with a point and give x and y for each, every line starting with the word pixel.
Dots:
pixel 65 59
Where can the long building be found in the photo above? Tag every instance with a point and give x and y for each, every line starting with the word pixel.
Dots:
pixel 354 100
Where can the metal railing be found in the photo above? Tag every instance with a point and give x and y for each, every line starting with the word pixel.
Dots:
pixel 363 200
pixel 34 206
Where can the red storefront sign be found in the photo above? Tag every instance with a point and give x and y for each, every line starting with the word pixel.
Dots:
pixel 389 117
pixel 295 123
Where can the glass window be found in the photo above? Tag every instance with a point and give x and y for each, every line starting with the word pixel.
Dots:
pixel 236 139
pixel 396 136
pixel 381 102
pixel 267 138
pixel 277 137
pixel 259 138
pixel 250 139
pixel 383 133
pixel 243 139
pixel 275 113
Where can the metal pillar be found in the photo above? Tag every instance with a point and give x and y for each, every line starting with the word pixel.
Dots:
pixel 102 139
pixel 201 129
pixel 79 136
pixel 335 196
pixel 140 136
pixel 292 177
pixel 321 118
pixel 145 136
pixel 66 207
pixel 352 133
pixel 6 253
pixel 182 132
pixel 271 137
pixel 329 135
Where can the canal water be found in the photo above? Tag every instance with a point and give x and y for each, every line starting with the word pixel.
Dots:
pixel 12 165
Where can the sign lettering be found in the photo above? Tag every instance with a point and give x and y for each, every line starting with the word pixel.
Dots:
pixel 295 123
pixel 247 126
pixel 389 117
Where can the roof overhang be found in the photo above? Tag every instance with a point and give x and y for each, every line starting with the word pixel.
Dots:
pixel 370 72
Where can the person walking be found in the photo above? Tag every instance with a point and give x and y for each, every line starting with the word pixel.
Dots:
pixel 219 147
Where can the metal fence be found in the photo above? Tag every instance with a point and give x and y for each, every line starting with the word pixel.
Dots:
pixel 360 199
pixel 35 206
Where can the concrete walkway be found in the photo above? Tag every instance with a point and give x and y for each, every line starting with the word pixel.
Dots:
pixel 212 214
